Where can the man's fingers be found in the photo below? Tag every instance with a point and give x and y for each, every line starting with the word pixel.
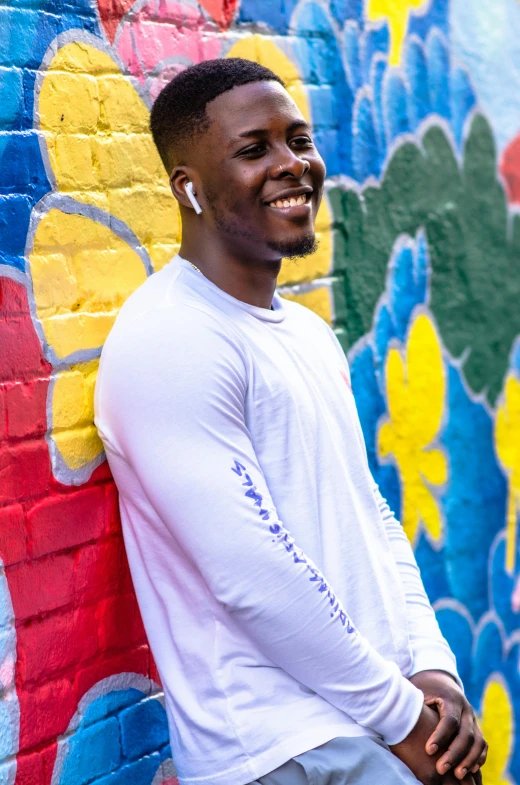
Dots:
pixel 478 777
pixel 469 779
pixel 474 756
pixel 481 760
pixel 461 746
pixel 445 731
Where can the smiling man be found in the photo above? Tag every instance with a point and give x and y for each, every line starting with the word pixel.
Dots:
pixel 281 598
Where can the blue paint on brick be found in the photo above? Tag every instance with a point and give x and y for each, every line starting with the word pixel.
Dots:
pixel 144 728
pixel 15 212
pixel 502 587
pixel 462 102
pixel 343 10
pixel 395 107
pixel 110 704
pixel 433 569
pixel 11 98
pixel 116 729
pixel 433 14
pixel 475 498
pixel 377 77
pixel 323 102
pixel 409 269
pixel 141 772
pixel 326 67
pixel 92 752
pixel 351 47
pixel 457 629
pixel 366 157
pixel 274 13
pixel 376 42
pixel 416 71
pixel 439 73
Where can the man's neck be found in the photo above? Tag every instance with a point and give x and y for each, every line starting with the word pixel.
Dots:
pixel 252 282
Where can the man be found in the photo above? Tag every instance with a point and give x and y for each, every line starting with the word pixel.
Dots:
pixel 228 422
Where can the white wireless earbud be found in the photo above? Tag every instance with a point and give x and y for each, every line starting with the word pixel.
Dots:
pixel 191 196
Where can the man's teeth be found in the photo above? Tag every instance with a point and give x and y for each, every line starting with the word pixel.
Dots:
pixel 292 202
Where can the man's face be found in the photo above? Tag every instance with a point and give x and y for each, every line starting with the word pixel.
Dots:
pixel 261 175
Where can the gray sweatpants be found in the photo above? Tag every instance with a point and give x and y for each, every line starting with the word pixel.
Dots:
pixel 360 760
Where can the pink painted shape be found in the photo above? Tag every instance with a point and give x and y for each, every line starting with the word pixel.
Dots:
pixel 161 39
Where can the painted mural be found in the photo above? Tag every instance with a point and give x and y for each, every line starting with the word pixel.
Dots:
pixel 415 106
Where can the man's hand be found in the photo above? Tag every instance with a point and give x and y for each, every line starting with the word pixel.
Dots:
pixel 457 740
pixel 412 751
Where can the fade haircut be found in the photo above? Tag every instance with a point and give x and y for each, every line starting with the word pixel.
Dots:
pixel 179 111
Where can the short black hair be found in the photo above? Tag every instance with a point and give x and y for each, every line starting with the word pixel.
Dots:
pixel 179 110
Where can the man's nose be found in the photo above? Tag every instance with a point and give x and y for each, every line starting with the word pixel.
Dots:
pixel 289 165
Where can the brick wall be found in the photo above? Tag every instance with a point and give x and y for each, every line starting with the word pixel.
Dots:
pixel 416 111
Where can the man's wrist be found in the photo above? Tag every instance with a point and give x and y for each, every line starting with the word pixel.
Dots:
pixel 434 657
pixel 440 671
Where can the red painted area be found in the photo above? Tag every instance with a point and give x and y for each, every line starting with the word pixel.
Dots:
pixel 76 615
pixel 510 169
pixel 12 534
pixel 29 769
pixel 112 11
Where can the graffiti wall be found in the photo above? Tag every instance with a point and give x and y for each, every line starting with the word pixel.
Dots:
pixel 415 106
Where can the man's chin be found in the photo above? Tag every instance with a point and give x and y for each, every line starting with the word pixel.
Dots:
pixel 294 249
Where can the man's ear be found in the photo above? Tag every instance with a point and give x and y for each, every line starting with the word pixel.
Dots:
pixel 179 178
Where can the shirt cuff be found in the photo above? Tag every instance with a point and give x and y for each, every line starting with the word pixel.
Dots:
pixel 434 657
pixel 404 715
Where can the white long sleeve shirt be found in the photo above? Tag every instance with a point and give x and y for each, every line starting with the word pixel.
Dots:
pixel 281 598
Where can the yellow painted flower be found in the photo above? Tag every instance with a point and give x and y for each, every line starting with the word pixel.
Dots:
pixel 507 443
pixel 415 389
pixel 497 723
pixel 396 12
pixel 109 221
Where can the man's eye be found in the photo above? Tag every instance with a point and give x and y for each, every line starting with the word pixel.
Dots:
pixel 302 141
pixel 256 149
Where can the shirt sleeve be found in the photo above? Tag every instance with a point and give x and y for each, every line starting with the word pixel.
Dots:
pixel 429 648
pixel 177 415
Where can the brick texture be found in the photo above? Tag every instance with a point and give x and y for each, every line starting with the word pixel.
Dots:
pixel 415 111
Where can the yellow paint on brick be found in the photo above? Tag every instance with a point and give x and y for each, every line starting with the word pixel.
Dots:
pixel 416 391
pixel 73 415
pixel 497 723
pixel 318 300
pixel 82 273
pixel 100 147
pixel 262 50
pixel 96 129
pixel 396 13
pixel 507 444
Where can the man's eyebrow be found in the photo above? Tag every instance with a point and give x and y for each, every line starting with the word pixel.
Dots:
pixel 265 131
